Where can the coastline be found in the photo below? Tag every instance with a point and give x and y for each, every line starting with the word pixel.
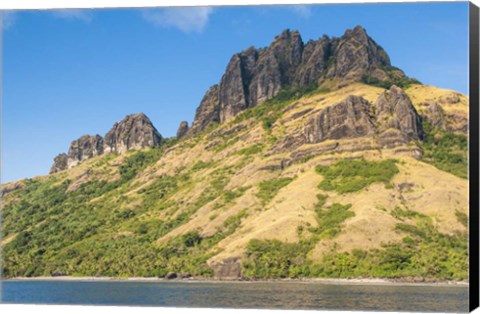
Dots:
pixel 328 281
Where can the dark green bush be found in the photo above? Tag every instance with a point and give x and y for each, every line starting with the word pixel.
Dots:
pixel 346 176
pixel 269 188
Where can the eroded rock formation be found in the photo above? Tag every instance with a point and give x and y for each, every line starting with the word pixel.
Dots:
pixel 393 118
pixel 394 110
pixel 135 131
pixel 349 118
pixel 256 75
pixel 182 129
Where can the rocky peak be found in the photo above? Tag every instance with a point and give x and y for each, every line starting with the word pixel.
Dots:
pixel 256 75
pixel 208 112
pixel 182 129
pixel 84 148
pixel 287 49
pixel 356 55
pixel 135 131
pixel 395 110
pixel 60 162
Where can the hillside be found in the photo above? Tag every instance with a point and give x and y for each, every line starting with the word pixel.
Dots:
pixel 349 177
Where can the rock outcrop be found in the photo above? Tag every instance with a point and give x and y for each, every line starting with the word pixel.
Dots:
pixel 349 118
pixel 80 150
pixel 84 148
pixel 228 269
pixel 435 114
pixel 135 131
pixel 208 112
pixel 356 55
pixel 394 110
pixel 182 129
pixel 454 121
pixel 393 118
pixel 60 162
pixel 256 75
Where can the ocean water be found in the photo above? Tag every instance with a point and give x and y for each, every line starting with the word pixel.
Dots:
pixel 272 295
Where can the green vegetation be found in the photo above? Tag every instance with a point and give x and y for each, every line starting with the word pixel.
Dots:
pixel 271 110
pixel 462 218
pixel 346 176
pixel 405 213
pixel 111 228
pixel 229 196
pixel 276 259
pixel 424 252
pixel 395 79
pixel 251 150
pixel 201 165
pixel 269 188
pixel 445 150
pixel 330 219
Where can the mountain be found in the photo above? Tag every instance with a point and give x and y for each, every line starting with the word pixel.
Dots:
pixel 306 160
pixel 256 75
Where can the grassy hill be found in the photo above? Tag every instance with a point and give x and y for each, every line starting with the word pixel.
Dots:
pixel 229 194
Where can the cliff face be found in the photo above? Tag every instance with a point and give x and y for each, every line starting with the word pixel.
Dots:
pixel 395 110
pixel 135 131
pixel 256 75
pixel 182 129
pixel 347 119
pixel 84 148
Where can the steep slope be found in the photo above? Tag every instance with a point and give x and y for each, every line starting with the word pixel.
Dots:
pixel 212 204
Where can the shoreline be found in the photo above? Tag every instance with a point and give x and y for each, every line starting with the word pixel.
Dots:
pixel 329 281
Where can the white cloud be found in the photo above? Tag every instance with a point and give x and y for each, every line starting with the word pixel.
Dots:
pixel 187 20
pixel 7 19
pixel 302 10
pixel 73 14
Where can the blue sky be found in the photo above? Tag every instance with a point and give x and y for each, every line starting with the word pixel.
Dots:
pixel 75 72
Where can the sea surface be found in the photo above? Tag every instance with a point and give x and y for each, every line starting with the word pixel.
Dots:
pixel 270 295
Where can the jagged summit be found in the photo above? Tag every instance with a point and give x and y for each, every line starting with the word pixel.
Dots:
pixel 135 131
pixel 256 75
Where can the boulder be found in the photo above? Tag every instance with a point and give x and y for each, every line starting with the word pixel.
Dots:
pixel 227 269
pixel 171 275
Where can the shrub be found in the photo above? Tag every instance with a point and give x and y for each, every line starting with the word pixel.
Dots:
pixel 269 188
pixel 445 150
pixel 346 176
pixel 138 161
pixel 251 150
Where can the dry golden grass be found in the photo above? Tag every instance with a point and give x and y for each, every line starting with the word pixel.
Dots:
pixel 424 93
pixel 432 192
